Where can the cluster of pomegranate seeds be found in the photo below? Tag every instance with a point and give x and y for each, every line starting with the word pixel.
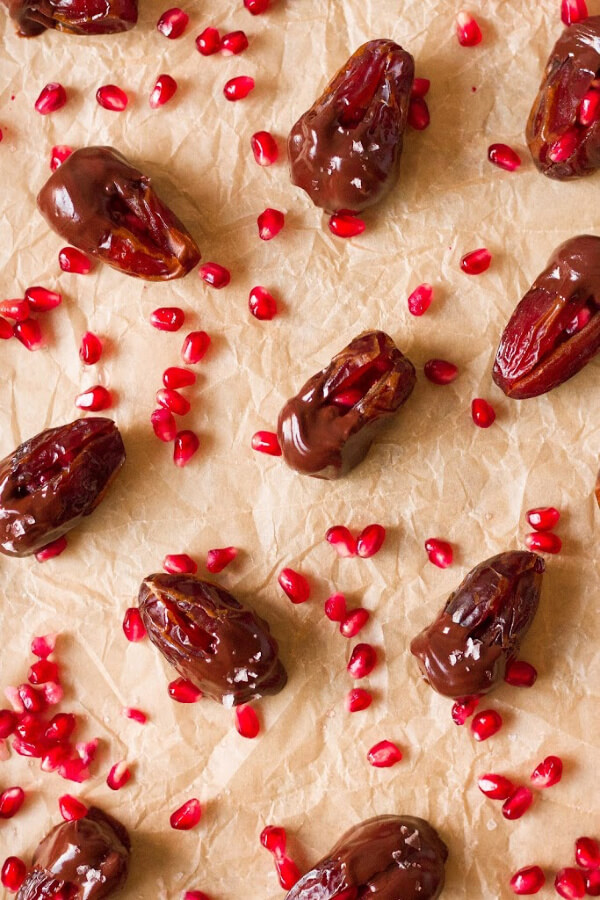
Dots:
pixel 548 772
pixel 368 543
pixel 573 11
pixel 346 225
pixel 11 801
pixel 468 31
pixel 439 552
pixel 418 114
pixel 233 43
pixel 420 300
pixel 266 442
pixel 476 261
pixel 215 275
pixel 485 724
pixel 238 88
pixel 295 585
pixel 543 539
pixel 246 721
pixel 58 154
pixel 363 660
pixel 270 222
pixel 264 147
pixel 173 23
pixel 529 880
pixel 183 691
pixel 186 816
pixel 219 558
pixel 133 627
pixel 439 371
pixel 464 709
pixel 52 98
pixel 167 318
pixel 74 261
pixel 112 97
pixel 94 399
pixel 179 564
pixel 274 839
pixel 90 349
pixel 13 873
pixel 71 808
pixel 262 304
pixel 520 673
pixel 482 413
pixel 164 90
pixel 504 157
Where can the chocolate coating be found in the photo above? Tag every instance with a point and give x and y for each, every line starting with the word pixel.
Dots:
pixel 345 150
pixel 72 16
pixel 323 437
pixel 101 204
pixel 89 858
pixel 539 349
pixel 573 64
pixel 465 651
pixel 385 858
pixel 222 647
pixel 53 480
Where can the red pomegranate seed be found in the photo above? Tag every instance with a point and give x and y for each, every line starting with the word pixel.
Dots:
pixel 274 839
pixel 246 721
pixel 370 541
pixel 476 262
pixel 420 87
pixel 287 871
pixel 418 114
pixel 43 671
pixel 214 275
pixel 164 425
pixel 564 147
pixel 175 377
pixel 52 98
pixel 195 347
pixel 482 413
pixel 87 751
pixel 60 727
pixel 543 518
pixel 53 693
pixel 133 626
pixel 164 90
pixel 587 853
pixel 29 334
pixel 468 31
pixel 173 401
pixel 54 548
pixel 341 540
pixel 17 310
pixel 136 715
pixel 520 673
pixel 11 801
pixel 496 787
pixel 504 157
pixel 238 88
pixel 208 42
pixel 592 883
pixel 94 399
pixel 570 883
pixel 112 97
pixel 358 699
pixel 264 147
pixel 528 880
pixel 74 770
pixel 30 727
pixel 185 446
pixel 173 23
pixel 354 622
pixel 438 371
pixel 195 895
pixel 183 691
pixel 344 225
pixel 270 222
pixel 8 723
pixel 33 700
pixel 179 564
pixel 384 754
pixel 187 816
pixel 266 442
pixel 440 552
pixel 219 558
pixel 58 155
pixel 420 300
pixel 589 108
pixel 544 541
pixel 90 349
pixel 74 261
pixel 548 773
pixel 71 808
pixel 335 607
pixel 262 304
pixel 256 7
pixel 13 873
pixel 233 43
pixel 573 11
pixel 118 776
pixel 485 724
pixel 6 329
pixel 294 585
pixel 41 299
pixel 362 661
pixel 43 646
pixel 517 804
pixel 167 318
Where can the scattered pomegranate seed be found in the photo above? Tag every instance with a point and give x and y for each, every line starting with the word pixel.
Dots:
pixel 94 399
pixel 520 673
pixel 418 114
pixel 90 349
pixel 11 801
pixel 58 155
pixel 52 98
pixel 167 318
pixel 384 754
pixel 266 442
pixel 420 87
pixel 358 699
pixel 195 895
pixel 185 446
pixel 183 691
pixel 543 518
pixel 264 148
pixel 294 585
pixel 370 541
pixel 256 7
pixel 33 700
pixel 570 883
pixel 270 222
pixel 71 808
pixel 118 776
pixel 42 672
pixel 173 23
pixel 573 11
pixel 517 804
pixel 233 43
pixel 238 88
pixel 13 873
pixel 6 330
pixel 528 880
pixel 476 262
pixel 362 661
pixel 43 646
pixel 164 90
pixel 173 401
pixel 335 607
pixel 262 304
pixel 133 626
pixel 274 839
pixel 592 883
pixel 485 724
pixel 344 225
pixel 74 770
pixel 8 722
pixel 136 715
pixel 341 540
pixel 41 299
pixel 468 31
pixel 440 552
pixel 187 816
pixel 246 721
pixel 112 97
pixel 354 622
pixel 496 787
pixel 420 300
pixel 179 564
pixel 54 548
pixel 195 347
pixel 164 425
pixel 175 377
pixel 504 157
pixel 60 727
pixel 87 750
pixel 482 413
pixel 544 541
pixel 214 275
pixel 74 261
pixel 548 773
pixel 29 334
pixel 438 371
pixel 564 147
pixel 208 42
pixel 53 693
pixel 287 871
pixel 587 853
pixel 17 310
pixel 219 558
pixel 464 709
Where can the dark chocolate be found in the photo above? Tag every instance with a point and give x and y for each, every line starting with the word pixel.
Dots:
pixel 72 16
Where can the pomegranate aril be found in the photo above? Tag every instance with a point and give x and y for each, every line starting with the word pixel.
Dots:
pixel 362 661
pixel 195 895
pixel 370 541
pixel 29 334
pixel 544 541
pixel 384 754
pixel 341 540
pixel 573 11
pixel 219 558
pixel 30 727
pixel 195 347
pixel 33 700
pixel 112 97
pixel 208 42
pixel 246 721
pixel 440 552
pixel 264 148
pixel 53 693
pixel 6 330
pixel 344 225
pixel 468 31
pixel 11 801
pixel 485 724
pixel 520 673
pixel 565 146
pixel 74 261
pixel 418 114
pixel 60 727
pixel 133 626
pixel 256 7
pixel 266 442
pixel 358 699
pixel 528 880
pixel 42 672
pixel 185 446
pixel 71 809
pixel 517 804
pixel 335 607
pixel 548 773
pixel 482 413
pixel 579 321
pixel 118 776
pixel 496 787
pixel 90 349
pixel 173 22
pixel 214 275
pixel 504 157
pixel 420 300
pixel 294 585
pixel 354 622
pixel 164 425
pixel 183 691
pixel 287 871
pixel 55 757
pixel 543 518
pixel 439 371
pixel 167 318
pixel 186 816
pixel 274 839
pixel 43 646
pixel 41 299
pixel 175 377
pixel 589 108
pixel 476 262
pixel 270 222
pixel 54 548
pixel 233 43
pixel 52 98
pixel 13 873
pixel 420 87
pixel 58 155
pixel 179 564
pixel 592 883
pixel 587 853
pixel 136 715
pixel 94 399
pixel 173 401
pixel 238 88
pixel 17 310
pixel 164 90
pixel 262 304
pixel 570 883
pixel 8 723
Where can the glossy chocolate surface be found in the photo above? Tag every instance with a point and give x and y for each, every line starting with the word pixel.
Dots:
pixel 385 858
pixel 74 16
pixel 53 480
pixel 540 348
pixel 101 204
pixel 345 150
pixel 322 436
pixel 219 645
pixel 464 652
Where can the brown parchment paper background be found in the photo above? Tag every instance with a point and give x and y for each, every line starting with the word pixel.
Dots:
pixel 431 474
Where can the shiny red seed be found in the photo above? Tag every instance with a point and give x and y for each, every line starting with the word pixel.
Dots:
pixel 468 31
pixel 29 334
pixel 264 147
pixel 496 787
pixel 520 673
pixel 43 646
pixel 173 23
pixel 30 727
pixel 274 839
pixel 573 11
pixel 183 691
pixel 167 318
pixel 420 87
pixel 94 399
pixel 504 157
pixel 175 377
pixel 362 661
pixel 287 871
pixel 565 146
pixel 270 222
pixel 112 97
pixel 482 413
pixel 60 727
pixel 54 548
pixel 13 873
pixel 118 776
pixel 233 43
pixel 476 262
pixel 295 585
pixel 208 42
pixel 335 607
pixel 358 699
pixel 439 371
pixel 195 895
pixel 90 349
pixel 570 883
pixel 341 540
pixel 420 300
pixel 587 853
pixel 164 425
pixel 74 770
pixel 384 754
pixel 266 442
pixel 592 883
pixel 589 108
pixel 164 90
pixel 53 693
pixel 74 261
pixel 58 155
pixel 42 672
pixel 173 401
pixel 544 541
pixel 17 310
pixel 548 773
pixel 185 446
pixel 219 558
pixel 179 564
pixel 87 750
pixel 6 329
pixel 543 518
pixel 262 304
pixel 370 541
pixel 246 721
pixel 8 723
pixel 440 552
pixel 133 626
pixel 52 98
pixel 418 114
pixel 238 88
pixel 71 809
pixel 256 7
pixel 485 724
pixel 136 715
pixel 354 622
pixel 33 700
pixel 214 275
pixel 517 804
pixel 186 816
pixel 528 880
pixel 11 801
pixel 195 347
pixel 344 225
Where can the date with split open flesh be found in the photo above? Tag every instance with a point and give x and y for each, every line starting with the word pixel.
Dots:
pixel 213 641
pixel 555 329
pixel 465 651
pixel 103 205
pixel 328 427
pixel 53 480
pixel 563 131
pixel 73 16
pixel 345 150
pixel 385 858
pixel 87 860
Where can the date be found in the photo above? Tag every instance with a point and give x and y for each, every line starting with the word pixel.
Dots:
pixel 73 16
pixel 464 653
pixel 222 647
pixel 555 329
pixel 345 150
pixel 328 427
pixel 53 480
pixel 385 858
pixel 101 204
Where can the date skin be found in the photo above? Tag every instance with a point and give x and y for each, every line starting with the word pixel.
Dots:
pixel 53 480
pixel 465 651
pixel 88 859
pixel 345 150
pixel 385 858
pixel 543 344
pixel 72 16
pixel 219 645
pixel 572 67
pixel 328 427
pixel 101 204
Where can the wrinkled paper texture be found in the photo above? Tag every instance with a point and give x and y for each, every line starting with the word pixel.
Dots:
pixel 432 473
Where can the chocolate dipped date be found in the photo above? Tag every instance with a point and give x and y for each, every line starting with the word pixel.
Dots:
pixel 101 204
pixel 345 150
pixel 72 16
pixel 87 859
pixel 563 131
pixel 465 651
pixel 213 641
pixel 385 858
pixel 328 427
pixel 555 329
pixel 53 480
